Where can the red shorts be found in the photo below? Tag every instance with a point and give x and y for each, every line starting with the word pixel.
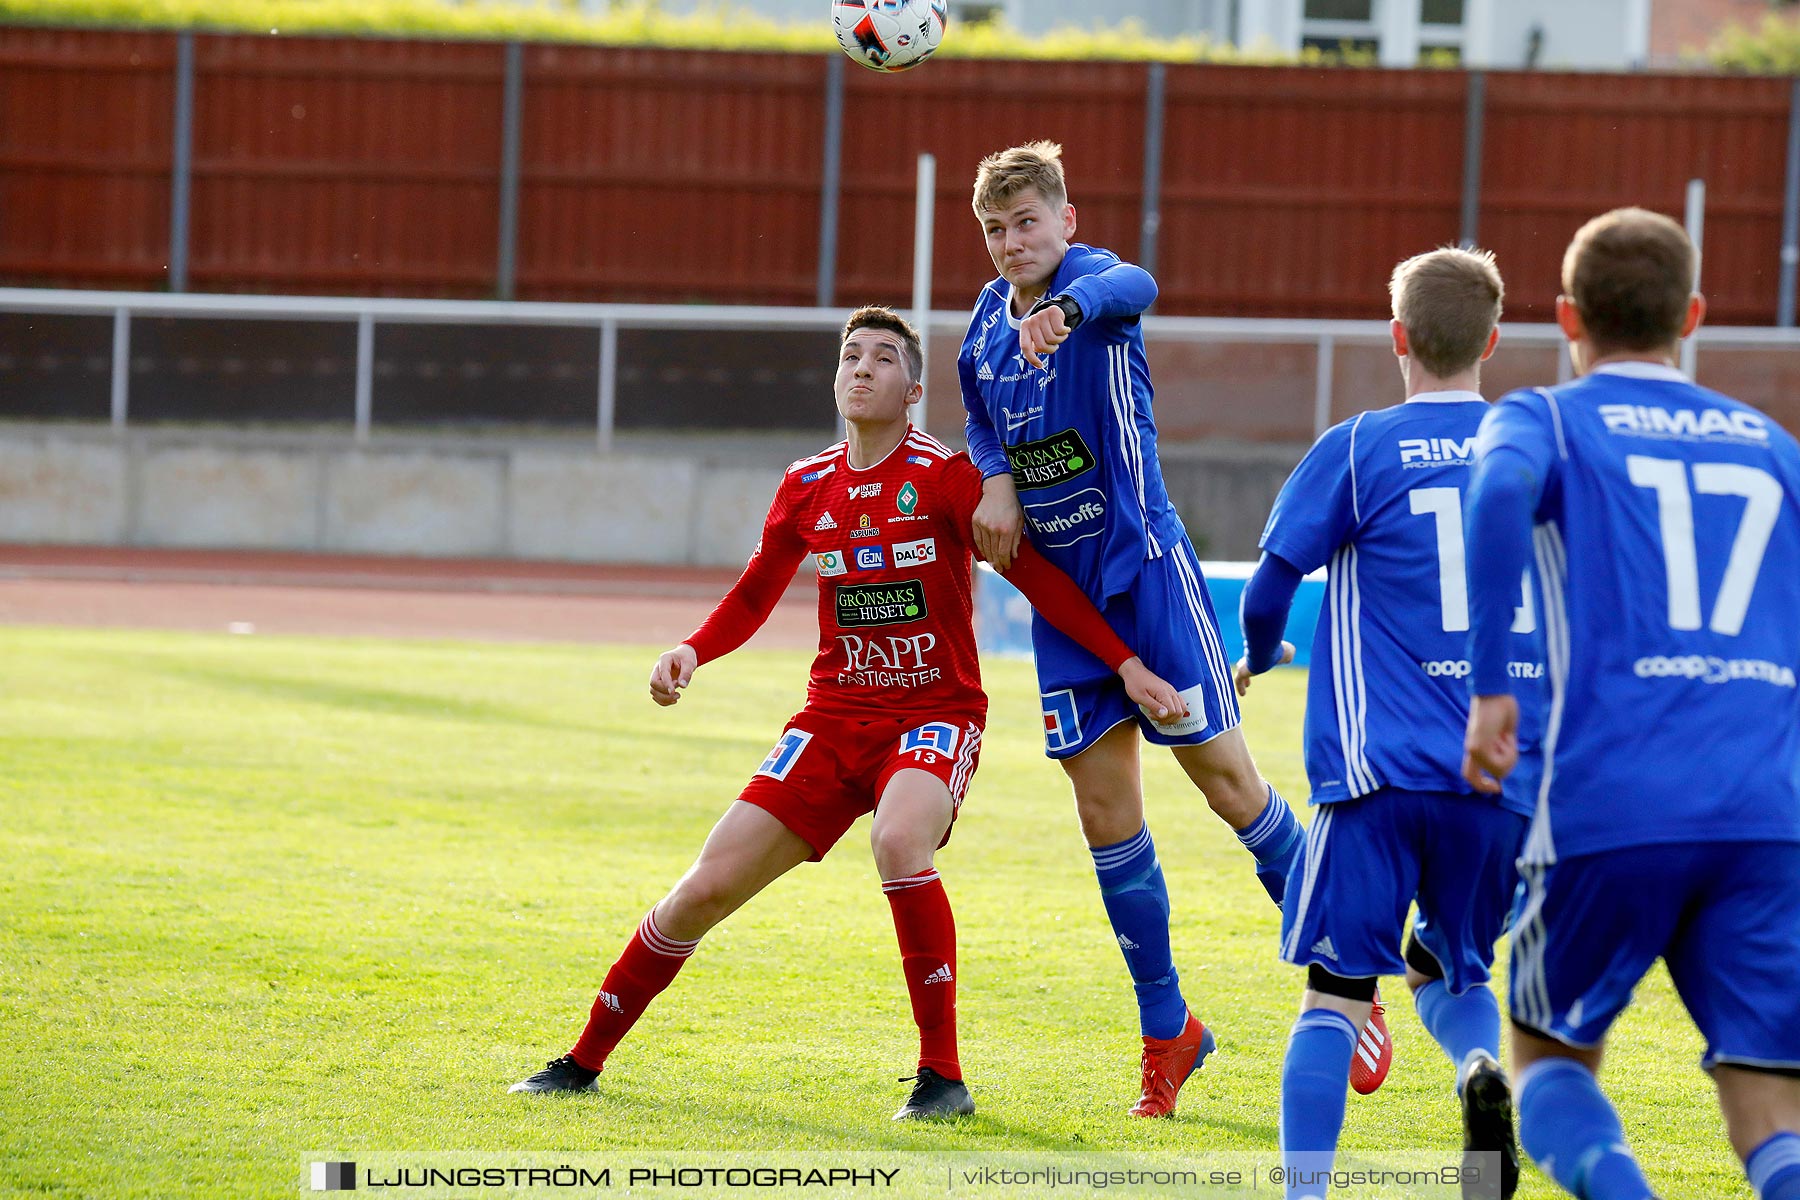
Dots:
pixel 827 771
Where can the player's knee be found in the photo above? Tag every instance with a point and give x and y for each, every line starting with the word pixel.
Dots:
pixel 900 851
pixel 701 900
pixel 1319 980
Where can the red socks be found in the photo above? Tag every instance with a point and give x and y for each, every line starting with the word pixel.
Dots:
pixel 927 934
pixel 922 922
pixel 648 965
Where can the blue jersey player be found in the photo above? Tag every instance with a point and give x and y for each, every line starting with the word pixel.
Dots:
pixel 1059 421
pixel 1379 501
pixel 1665 524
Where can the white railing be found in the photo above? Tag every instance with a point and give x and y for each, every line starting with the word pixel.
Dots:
pixel 608 319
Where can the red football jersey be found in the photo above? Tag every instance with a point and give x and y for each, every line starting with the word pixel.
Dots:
pixel 892 545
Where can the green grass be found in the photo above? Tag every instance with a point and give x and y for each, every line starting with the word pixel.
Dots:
pixel 263 896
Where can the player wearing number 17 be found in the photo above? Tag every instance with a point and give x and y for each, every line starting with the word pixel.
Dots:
pixel 894 711
pixel 1665 522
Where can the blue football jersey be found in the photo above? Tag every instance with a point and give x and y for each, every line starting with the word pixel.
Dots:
pixel 1378 501
pixel 1078 436
pixel 1667 541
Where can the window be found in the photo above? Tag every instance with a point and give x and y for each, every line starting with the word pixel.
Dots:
pixel 978 14
pixel 1340 10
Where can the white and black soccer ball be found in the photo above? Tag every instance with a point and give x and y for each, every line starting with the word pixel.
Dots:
pixel 890 35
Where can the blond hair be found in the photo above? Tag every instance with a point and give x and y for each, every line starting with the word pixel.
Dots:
pixel 1629 274
pixel 874 316
pixel 1448 301
pixel 1005 174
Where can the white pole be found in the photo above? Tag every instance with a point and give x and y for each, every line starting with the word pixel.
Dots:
pixel 924 217
pixel 1696 228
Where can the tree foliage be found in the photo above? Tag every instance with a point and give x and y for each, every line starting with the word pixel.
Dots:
pixel 1771 48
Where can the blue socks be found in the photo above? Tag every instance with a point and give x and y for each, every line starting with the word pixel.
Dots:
pixel 1314 1078
pixel 1137 903
pixel 1570 1130
pixel 1774 1168
pixel 1276 839
pixel 1460 1024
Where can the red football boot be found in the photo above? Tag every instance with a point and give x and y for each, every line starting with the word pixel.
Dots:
pixel 1167 1064
pixel 1374 1052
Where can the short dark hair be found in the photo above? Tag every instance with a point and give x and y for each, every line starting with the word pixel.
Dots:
pixel 1003 175
pixel 1629 273
pixel 1448 301
pixel 874 316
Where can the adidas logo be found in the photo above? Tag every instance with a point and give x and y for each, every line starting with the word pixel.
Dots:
pixel 941 975
pixel 1324 946
pixel 611 1001
pixel 1126 943
pixel 984 372
pixel 825 522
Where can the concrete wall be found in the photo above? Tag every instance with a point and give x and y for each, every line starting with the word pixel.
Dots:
pixel 438 497
pixel 456 497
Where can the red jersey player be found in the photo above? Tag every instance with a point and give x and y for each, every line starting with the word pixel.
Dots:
pixel 894 710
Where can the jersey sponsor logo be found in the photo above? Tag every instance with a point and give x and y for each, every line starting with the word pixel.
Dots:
pixel 786 753
pixel 915 554
pixel 1686 424
pixel 1048 461
pixel 830 562
pixel 1449 668
pixel 865 528
pixel 870 558
pixel 1015 419
pixel 1712 669
pixel 907 499
pixel 887 661
pixel 1069 520
pixel 981 341
pixel 821 473
pixel 864 491
pixel 825 522
pixel 984 372
pixel 881 604
pixel 918 460
pixel 1436 452
pixel 1062 721
pixel 935 737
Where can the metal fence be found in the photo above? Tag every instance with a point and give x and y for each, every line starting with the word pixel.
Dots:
pixel 1217 377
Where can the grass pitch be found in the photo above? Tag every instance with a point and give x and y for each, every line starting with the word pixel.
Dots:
pixel 265 896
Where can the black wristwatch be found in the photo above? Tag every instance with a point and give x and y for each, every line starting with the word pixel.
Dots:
pixel 1066 302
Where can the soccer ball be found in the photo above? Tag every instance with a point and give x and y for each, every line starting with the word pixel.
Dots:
pixel 889 35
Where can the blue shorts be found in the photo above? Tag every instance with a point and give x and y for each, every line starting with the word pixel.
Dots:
pixel 1167 617
pixel 1724 915
pixel 1369 858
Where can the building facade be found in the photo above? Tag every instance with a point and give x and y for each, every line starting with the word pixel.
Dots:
pixel 1546 34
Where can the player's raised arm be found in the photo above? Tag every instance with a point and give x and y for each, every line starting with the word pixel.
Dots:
pixel 1513 458
pixel 1114 289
